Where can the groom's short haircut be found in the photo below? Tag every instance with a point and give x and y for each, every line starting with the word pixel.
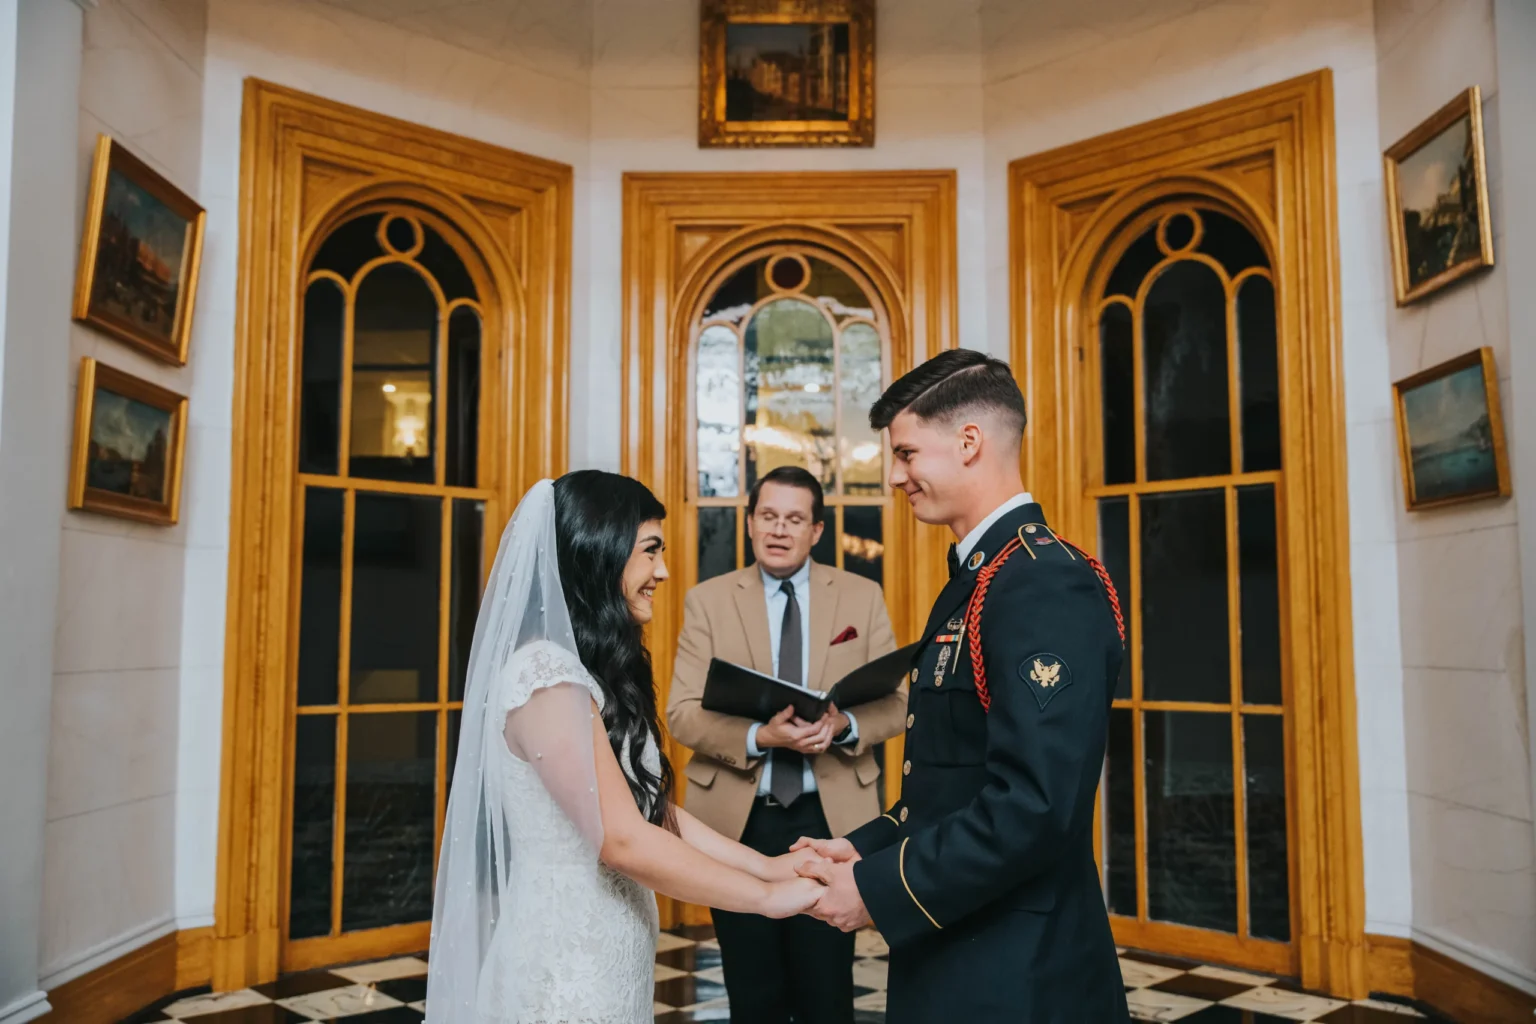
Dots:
pixel 953 383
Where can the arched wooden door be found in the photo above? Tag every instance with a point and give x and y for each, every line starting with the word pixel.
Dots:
pixel 400 382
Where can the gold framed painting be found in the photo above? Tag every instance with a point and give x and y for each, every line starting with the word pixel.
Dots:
pixel 1437 200
pixel 787 73
pixel 140 254
pixel 1450 433
pixel 130 436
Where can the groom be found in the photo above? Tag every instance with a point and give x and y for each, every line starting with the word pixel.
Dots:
pixel 982 877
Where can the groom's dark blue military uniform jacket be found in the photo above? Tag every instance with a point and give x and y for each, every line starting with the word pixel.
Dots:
pixel 982 877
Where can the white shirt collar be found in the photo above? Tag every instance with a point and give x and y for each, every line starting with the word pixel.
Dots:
pixel 963 549
pixel 801 579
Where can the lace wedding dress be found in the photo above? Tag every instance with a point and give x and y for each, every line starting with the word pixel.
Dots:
pixel 575 943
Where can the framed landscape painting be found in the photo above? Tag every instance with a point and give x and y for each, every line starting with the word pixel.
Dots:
pixel 1451 434
pixel 1437 200
pixel 129 439
pixel 139 257
pixel 787 73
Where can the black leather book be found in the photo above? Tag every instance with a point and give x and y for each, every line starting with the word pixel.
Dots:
pixel 733 689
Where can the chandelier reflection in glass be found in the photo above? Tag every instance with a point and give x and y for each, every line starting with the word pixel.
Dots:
pixel 789 357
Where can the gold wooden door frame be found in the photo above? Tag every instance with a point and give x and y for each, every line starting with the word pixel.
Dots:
pixel 680 231
pixel 306 164
pixel 1269 155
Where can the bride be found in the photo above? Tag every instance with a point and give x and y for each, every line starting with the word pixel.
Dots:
pixel 560 818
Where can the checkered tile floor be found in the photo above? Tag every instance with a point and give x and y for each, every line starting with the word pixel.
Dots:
pixel 690 987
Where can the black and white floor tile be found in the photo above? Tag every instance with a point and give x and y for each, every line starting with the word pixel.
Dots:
pixel 690 987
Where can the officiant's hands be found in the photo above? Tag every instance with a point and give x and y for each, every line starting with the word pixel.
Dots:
pixel 786 730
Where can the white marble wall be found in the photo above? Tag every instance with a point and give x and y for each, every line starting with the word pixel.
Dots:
pixel 1059 73
pixel 111 820
pixel 1469 780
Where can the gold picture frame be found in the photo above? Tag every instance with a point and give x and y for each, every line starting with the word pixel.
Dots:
pixel 787 73
pixel 139 256
pixel 130 440
pixel 1450 433
pixel 1438 173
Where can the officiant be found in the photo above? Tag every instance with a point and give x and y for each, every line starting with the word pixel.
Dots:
pixel 768 783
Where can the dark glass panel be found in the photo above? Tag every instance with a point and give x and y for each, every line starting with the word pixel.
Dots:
pixel 1191 830
pixel 787 274
pixel 717 542
pixel 1184 335
pixel 350 246
pixel 1179 231
pixel 791 401
pixel 314 826
pixel 1230 243
pixel 1135 264
pixel 400 233
pixel 320 597
pixel 1115 553
pixel 463 398
pixel 464 597
pixel 1259 370
pixel 863 541
pixel 837 292
pixel 1117 379
pixel 391 813
pixel 825 549
pixel 443 263
pixel 1184 626
pixel 455 722
pixel 737 293
pixel 320 388
pixel 1269 889
pixel 1259 576
pixel 394 375
pixel 1120 813
pixel 395 581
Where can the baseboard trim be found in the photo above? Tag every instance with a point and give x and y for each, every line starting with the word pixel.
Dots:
pixel 172 962
pixel 58 973
pixel 28 1007
pixel 1412 969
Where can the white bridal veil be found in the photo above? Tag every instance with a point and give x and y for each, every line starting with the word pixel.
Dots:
pixel 543 719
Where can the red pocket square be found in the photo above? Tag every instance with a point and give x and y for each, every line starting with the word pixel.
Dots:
pixel 848 634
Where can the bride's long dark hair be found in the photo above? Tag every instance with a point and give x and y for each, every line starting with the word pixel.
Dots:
pixel 597 517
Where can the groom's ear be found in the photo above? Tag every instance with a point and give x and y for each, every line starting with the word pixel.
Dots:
pixel 971 439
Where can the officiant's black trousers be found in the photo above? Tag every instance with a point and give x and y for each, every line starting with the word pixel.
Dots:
pixel 797 969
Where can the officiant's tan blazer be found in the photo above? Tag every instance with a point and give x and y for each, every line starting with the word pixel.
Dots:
pixel 727 617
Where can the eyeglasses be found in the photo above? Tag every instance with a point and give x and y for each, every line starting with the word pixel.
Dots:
pixel 793 522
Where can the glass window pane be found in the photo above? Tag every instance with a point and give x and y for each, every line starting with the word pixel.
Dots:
pixel 717 403
pixel 862 381
pixel 395 583
pixel 1231 243
pixel 391 815
pixel 464 599
pixel 1191 830
pixel 1115 553
pixel 737 294
pixel 1258 571
pixel 1184 597
pixel 717 542
pixel 393 375
pixel 455 723
pixel 791 405
pixel 1120 814
pixel 320 597
pixel 836 292
pixel 314 826
pixel 320 389
pixel 350 246
pixel 1135 264
pixel 443 263
pixel 1184 336
pixel 863 543
pixel 825 549
pixel 463 467
pixel 1259 368
pixel 1117 379
pixel 1269 896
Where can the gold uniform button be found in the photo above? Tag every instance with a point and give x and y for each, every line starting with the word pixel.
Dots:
pixel 938 680
pixel 903 814
pixel 906 766
pixel 914 675
pixel 1027 529
pixel 910 720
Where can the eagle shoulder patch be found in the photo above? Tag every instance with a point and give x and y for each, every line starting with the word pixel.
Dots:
pixel 1046 675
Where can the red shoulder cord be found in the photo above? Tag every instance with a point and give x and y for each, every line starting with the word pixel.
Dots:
pixel 979 596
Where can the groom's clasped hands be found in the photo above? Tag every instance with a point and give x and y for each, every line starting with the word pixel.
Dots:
pixel 829 863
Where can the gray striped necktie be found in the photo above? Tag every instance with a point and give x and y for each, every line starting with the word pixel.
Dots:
pixel 788 765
